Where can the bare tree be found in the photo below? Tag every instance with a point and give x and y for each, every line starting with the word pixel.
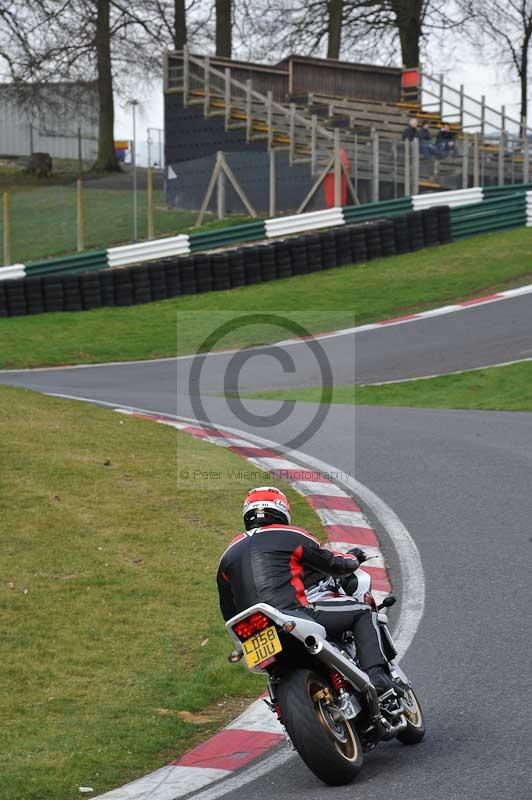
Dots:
pixel 72 40
pixel 334 33
pixel 180 24
pixel 504 32
pixel 224 25
pixel 383 31
pixel 107 159
pixel 408 17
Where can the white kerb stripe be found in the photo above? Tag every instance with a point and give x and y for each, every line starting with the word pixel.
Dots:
pixel 257 717
pixel 166 783
pixel 330 516
pixel 234 784
pixel 318 487
pixel 224 441
pixel 276 463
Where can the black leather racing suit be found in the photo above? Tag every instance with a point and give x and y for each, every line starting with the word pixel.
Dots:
pixel 276 564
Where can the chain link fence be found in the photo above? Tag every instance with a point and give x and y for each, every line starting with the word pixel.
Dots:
pixel 65 213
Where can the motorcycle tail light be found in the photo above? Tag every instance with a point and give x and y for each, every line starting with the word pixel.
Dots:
pixel 258 621
pixel 242 630
pixel 250 625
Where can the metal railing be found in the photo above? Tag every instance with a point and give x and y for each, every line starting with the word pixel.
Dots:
pixel 454 105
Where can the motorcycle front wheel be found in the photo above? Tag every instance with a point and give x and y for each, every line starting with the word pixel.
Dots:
pixel 415 725
pixel 327 743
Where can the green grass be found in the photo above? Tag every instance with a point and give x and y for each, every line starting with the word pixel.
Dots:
pixel 506 388
pixel 43 219
pixel 110 620
pixel 320 301
pixel 15 175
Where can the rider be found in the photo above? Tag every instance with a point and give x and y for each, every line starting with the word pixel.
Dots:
pixel 274 562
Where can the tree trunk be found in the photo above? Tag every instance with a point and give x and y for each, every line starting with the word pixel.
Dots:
pixel 408 20
pixel 523 78
pixel 180 25
pixel 223 28
pixel 334 28
pixel 106 151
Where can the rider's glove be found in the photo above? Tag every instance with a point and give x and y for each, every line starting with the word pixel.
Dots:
pixel 359 554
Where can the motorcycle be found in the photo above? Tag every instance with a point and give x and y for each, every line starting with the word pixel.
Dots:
pixel 330 710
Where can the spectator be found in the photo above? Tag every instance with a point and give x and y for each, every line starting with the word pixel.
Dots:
pixel 445 143
pixel 411 132
pixel 426 147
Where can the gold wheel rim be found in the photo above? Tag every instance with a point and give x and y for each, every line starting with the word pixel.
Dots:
pixel 340 733
pixel 413 710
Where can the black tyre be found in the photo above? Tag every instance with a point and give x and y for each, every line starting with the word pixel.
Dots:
pixel 283 264
pixel 203 270
pixel 298 251
pixel 313 245
pixel 90 291
pixel 332 750
pixel 17 309
pixel 359 250
pixel 266 262
pixel 157 290
pixel 123 287
pixel 15 297
pixel 328 250
pixel 252 265
pixel 34 296
pixel 343 247
pixel 157 282
pixel 142 296
pixel 221 276
pixel 3 305
pixel 72 292
pixel 187 275
pixel 107 286
pixel 415 726
pixel 236 268
pixel 373 242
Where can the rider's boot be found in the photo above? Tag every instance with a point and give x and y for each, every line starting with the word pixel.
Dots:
pixel 381 680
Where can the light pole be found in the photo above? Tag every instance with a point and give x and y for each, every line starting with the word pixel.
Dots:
pixel 134 104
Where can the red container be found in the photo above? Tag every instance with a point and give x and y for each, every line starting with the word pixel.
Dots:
pixel 328 183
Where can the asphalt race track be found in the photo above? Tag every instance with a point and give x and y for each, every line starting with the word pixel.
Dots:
pixel 461 483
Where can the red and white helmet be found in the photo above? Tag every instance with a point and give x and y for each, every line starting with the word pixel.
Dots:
pixel 265 505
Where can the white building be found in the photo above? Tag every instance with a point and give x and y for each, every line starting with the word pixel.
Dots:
pixel 59 118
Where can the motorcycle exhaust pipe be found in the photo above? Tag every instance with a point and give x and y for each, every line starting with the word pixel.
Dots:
pixel 330 655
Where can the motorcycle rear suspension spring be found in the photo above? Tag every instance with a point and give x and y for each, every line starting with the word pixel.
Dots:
pixel 338 681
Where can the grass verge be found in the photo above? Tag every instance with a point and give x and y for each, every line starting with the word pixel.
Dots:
pixel 506 388
pixel 324 301
pixel 113 651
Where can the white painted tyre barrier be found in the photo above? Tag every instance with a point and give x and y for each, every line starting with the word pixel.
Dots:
pixel 297 223
pixel 14 271
pixel 148 251
pixel 458 197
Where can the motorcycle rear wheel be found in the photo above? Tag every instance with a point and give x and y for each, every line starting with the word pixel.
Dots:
pixel 330 748
pixel 415 725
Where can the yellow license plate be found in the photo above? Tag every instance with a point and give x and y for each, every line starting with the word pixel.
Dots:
pixel 262 646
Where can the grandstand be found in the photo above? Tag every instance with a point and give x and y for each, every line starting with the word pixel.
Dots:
pixel 307 106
